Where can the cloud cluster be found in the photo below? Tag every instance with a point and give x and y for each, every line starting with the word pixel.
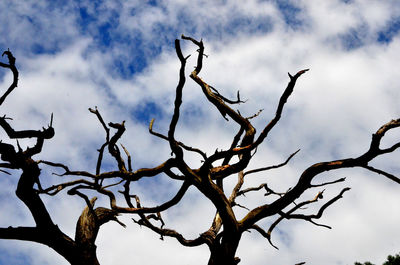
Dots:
pixel 119 56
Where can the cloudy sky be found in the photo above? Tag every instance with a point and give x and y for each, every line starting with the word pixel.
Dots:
pixel 119 56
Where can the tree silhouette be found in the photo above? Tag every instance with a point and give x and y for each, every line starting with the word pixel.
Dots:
pixel 226 230
pixel 391 260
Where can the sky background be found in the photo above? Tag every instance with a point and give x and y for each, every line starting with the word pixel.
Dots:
pixel 120 57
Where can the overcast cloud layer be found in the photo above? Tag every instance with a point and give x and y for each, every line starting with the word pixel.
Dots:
pixel 119 56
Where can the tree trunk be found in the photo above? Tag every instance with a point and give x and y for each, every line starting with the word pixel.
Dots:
pixel 84 256
pixel 82 251
pixel 224 252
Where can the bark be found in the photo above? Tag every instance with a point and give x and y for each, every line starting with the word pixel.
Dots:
pixel 80 252
pixel 224 252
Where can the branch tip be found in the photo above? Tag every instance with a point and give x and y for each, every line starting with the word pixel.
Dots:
pixel 151 125
pixel 51 120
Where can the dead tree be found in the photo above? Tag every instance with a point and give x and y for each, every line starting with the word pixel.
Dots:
pixel 226 230
pixel 80 250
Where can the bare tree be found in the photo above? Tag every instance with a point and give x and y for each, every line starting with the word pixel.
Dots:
pixel 82 249
pixel 226 230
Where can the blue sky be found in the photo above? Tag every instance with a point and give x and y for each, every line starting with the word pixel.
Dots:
pixel 119 56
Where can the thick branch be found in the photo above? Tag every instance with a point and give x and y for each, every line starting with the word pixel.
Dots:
pixel 308 175
pixel 178 101
pixel 89 223
pixel 46 133
pixel 21 233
